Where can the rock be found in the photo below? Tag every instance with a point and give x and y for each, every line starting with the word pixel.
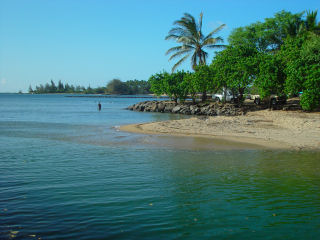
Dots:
pixel 194 109
pixel 209 109
pixel 141 108
pixel 176 109
pixel 161 106
pixel 168 107
pixel 153 107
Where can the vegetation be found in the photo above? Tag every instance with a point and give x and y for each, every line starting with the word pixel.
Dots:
pixel 235 68
pixel 280 55
pixel 188 34
pixel 203 80
pixel 115 86
pixel 172 85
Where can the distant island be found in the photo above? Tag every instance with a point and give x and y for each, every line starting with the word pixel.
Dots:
pixel 115 86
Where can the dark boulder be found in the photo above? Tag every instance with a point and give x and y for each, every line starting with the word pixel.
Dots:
pixel 208 109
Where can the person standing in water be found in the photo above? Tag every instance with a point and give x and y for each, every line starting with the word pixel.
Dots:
pixel 99 106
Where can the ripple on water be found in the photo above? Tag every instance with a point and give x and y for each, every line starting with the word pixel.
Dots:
pixel 74 177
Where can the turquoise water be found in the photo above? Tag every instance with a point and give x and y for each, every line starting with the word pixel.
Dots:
pixel 67 172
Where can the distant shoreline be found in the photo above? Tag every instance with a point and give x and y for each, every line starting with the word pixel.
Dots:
pixel 119 96
pixel 96 95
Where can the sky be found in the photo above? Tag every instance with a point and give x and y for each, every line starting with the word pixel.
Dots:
pixel 91 42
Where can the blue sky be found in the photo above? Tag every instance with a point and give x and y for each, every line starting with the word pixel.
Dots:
pixel 84 42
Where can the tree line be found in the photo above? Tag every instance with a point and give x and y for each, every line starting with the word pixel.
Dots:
pixel 115 86
pixel 280 55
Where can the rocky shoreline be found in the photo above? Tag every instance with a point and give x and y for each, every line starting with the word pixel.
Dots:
pixel 208 109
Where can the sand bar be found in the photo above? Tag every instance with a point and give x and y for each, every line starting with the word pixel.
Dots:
pixel 270 129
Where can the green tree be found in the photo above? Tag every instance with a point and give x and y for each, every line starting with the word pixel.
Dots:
pixel 89 90
pixel 116 86
pixel 203 80
pixel 66 88
pixel 78 89
pixel 60 87
pixel 174 86
pixel 271 77
pixel 188 34
pixel 236 67
pixel 310 55
pixel 171 84
pixel 138 87
pixel 267 36
pixel 298 26
pixel 311 24
pixel 295 27
pixel 190 86
pixel 47 88
pixel 157 83
pixel 72 89
pixel 53 87
pixel 39 89
pixel 300 57
pixel 99 90
pixel 30 89
pixel 290 55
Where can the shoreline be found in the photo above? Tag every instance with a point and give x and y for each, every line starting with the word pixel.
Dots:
pixel 232 140
pixel 267 129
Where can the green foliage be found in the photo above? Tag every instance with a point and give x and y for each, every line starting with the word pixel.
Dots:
pixel 267 36
pixel 270 78
pixel 157 83
pixel 52 88
pixel 30 90
pixel 311 24
pixel 89 90
pixel 180 84
pixel 192 43
pixel 236 67
pixel 301 58
pixel 288 59
pixel 310 54
pixel 311 49
pixel 138 87
pixel 174 86
pixel 290 56
pixel 61 87
pixel 203 80
pixel 114 87
pixel 189 85
pixel 275 29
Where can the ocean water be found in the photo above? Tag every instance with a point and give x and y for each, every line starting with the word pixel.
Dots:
pixel 67 172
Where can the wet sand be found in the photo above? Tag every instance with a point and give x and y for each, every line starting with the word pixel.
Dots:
pixel 267 129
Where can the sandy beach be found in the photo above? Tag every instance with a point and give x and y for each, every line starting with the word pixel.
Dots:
pixel 270 129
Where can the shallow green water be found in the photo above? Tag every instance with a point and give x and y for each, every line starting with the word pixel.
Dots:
pixel 66 172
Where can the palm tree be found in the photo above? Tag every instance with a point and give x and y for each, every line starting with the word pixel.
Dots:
pixel 295 27
pixel 311 24
pixel 188 34
pixel 298 26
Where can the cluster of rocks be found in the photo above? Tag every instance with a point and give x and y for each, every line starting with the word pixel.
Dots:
pixel 208 109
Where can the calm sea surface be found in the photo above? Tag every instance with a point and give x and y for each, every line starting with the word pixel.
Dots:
pixel 67 172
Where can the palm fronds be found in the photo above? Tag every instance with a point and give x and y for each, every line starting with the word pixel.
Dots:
pixel 188 34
